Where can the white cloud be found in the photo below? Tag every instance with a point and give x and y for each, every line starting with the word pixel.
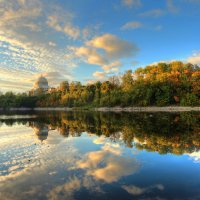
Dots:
pixel 132 25
pixel 53 23
pixel 113 168
pixel 27 31
pixel 18 170
pixel 113 46
pixel 112 148
pixel 65 26
pixel 108 70
pixel 112 67
pixel 62 21
pixel 107 164
pixel 24 46
pixel 90 55
pixel 56 77
pixel 68 189
pixel 13 11
pixel 162 61
pixel 91 81
pixel 29 59
pixel 99 140
pixel 89 170
pixel 106 51
pixel 194 59
pixel 72 31
pixel 108 146
pixel 195 156
pixel 99 75
pixel 134 190
pixel 32 26
pixel 53 44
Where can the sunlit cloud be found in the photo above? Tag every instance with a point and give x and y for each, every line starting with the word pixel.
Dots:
pixel 74 184
pixel 98 167
pixel 113 168
pixel 136 191
pixel 44 162
pixel 107 164
pixel 64 25
pixel 68 189
pixel 112 67
pixel 48 37
pixel 105 51
pixel 16 14
pixel 28 160
pixel 89 55
pixel 114 47
pixel 195 156
pixel 99 140
pixel 24 49
pixel 194 59
pixel 112 148
pixel 100 75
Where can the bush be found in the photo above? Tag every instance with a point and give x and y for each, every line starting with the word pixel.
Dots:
pixel 189 99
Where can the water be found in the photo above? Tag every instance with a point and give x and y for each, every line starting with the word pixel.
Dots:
pixel 84 155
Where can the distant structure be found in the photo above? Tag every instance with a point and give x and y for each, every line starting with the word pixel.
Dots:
pixel 41 130
pixel 40 86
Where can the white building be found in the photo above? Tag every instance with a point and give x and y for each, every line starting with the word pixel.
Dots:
pixel 40 86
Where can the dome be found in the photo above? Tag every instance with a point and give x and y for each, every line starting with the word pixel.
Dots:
pixel 41 83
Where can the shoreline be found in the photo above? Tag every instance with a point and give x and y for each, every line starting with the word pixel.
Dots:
pixel 150 109
pixel 112 109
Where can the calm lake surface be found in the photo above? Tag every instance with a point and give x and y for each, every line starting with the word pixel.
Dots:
pixel 96 155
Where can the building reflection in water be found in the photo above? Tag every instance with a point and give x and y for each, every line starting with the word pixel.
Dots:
pixel 41 130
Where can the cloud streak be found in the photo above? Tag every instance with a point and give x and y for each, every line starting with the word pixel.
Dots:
pixel 24 48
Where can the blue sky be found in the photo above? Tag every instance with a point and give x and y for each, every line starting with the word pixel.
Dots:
pixel 91 40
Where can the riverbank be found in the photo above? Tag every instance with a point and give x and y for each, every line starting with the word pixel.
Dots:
pixel 113 109
pixel 149 109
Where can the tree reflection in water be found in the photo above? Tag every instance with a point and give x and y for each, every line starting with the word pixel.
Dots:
pixel 176 133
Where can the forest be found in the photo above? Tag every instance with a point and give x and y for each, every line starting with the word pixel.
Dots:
pixel 161 84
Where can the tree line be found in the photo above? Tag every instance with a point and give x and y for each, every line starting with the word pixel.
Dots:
pixel 161 84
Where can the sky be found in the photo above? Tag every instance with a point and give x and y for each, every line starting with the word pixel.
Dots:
pixel 90 40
